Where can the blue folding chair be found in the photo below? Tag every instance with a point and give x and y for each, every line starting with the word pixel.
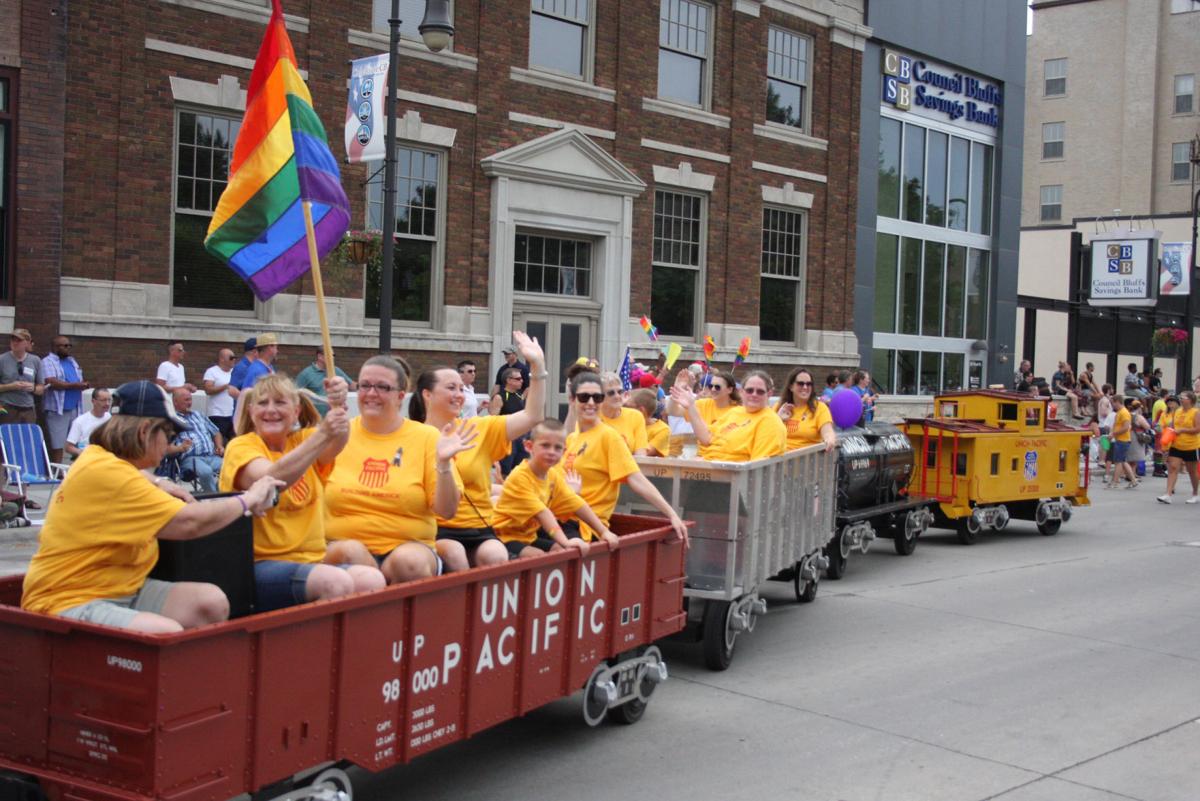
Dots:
pixel 26 461
pixel 172 468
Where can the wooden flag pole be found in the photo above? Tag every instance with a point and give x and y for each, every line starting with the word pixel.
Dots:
pixel 318 289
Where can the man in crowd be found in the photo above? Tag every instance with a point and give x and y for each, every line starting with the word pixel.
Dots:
pixel 20 379
pixel 1133 383
pixel 170 372
pixel 268 350
pixel 201 447
pixel 238 376
pixel 313 377
pixel 466 371
pixel 83 425
pixel 64 398
pixel 510 361
pixel 216 387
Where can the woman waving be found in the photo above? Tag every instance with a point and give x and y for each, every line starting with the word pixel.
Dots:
pixel 744 433
pixel 807 419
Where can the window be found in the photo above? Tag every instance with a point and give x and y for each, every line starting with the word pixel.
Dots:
pixel 977 293
pixel 1052 203
pixel 960 173
pixel 684 28
pixel 558 36
pixel 418 198
pixel 781 289
pixel 935 180
pixel 889 167
pixel 1184 6
pixel 910 285
pixel 787 77
pixel 1052 139
pixel 885 282
pixel 204 143
pixel 956 276
pixel 979 220
pixel 914 173
pixel 1185 87
pixel 1055 73
pixel 1181 166
pixel 932 285
pixel 898 371
pixel 552 265
pixel 8 183
pixel 678 262
pixel 411 14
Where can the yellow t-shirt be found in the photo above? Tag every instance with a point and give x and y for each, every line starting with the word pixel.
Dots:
pixel 1126 419
pixel 294 531
pixel 1183 442
pixel 658 434
pixel 99 540
pixel 804 427
pixel 525 495
pixel 631 425
pixel 744 436
pixel 603 462
pixel 711 414
pixel 474 467
pixel 382 487
pixel 1157 411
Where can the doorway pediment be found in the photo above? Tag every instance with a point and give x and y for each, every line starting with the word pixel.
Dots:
pixel 565 158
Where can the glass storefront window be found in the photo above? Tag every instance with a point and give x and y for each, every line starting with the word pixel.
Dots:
pixel 883 368
pixel 914 173
pixel 931 373
pixel 885 282
pixel 935 180
pixel 960 172
pixel 977 293
pixel 889 167
pixel 952 371
pixel 956 271
pixel 931 306
pixel 981 189
pixel 906 372
pixel 910 285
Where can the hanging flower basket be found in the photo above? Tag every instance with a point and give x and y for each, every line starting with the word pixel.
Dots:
pixel 1168 341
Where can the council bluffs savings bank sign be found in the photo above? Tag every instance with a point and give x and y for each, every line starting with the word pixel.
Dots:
pixel 941 93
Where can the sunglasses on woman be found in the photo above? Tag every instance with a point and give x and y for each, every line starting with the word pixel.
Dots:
pixel 594 397
pixel 753 391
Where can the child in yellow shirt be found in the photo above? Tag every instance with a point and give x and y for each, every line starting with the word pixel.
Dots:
pixel 536 496
pixel 658 433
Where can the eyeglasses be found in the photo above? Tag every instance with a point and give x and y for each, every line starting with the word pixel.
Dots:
pixel 611 392
pixel 802 383
pixel 753 391
pixel 382 389
pixel 718 387
pixel 594 397
pixel 468 370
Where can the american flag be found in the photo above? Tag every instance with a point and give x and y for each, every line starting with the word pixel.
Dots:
pixel 626 372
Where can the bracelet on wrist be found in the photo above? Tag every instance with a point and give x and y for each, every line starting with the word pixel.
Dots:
pixel 245 507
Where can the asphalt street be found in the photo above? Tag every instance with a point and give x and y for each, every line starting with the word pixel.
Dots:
pixel 1023 668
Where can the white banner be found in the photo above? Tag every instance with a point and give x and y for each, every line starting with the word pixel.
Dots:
pixel 1124 270
pixel 1174 276
pixel 364 110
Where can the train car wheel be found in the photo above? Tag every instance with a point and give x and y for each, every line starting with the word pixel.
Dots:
pixel 595 702
pixel 719 636
pixel 904 541
pixel 627 713
pixel 335 783
pixel 838 551
pixel 806 589
pixel 968 530
pixel 1050 527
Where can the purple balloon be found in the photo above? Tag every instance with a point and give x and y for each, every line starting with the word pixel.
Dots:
pixel 845 407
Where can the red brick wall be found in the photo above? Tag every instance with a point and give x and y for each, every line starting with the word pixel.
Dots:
pixel 121 129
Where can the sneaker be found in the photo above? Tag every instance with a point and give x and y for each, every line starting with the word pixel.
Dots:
pixel 1163 499
pixel 1193 499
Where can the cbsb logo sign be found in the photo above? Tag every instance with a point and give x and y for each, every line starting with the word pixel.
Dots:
pixel 1120 259
pixel 897 80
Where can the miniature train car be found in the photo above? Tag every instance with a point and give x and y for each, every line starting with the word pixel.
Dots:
pixel 279 703
pixel 988 456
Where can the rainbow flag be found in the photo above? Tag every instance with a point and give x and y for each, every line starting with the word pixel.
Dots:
pixel 281 159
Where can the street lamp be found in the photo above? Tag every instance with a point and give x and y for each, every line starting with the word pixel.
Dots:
pixel 1189 345
pixel 436 30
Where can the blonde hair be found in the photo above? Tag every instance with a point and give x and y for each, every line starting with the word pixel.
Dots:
pixel 276 386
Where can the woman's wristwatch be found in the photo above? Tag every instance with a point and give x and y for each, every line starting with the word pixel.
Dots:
pixel 541 375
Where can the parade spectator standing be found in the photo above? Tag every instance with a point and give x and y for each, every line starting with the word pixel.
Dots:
pixel 238 375
pixel 1133 383
pixel 200 448
pixel 861 384
pixel 510 361
pixel 313 377
pixel 82 427
pixel 63 401
pixel 268 351
pixel 1185 450
pixel 171 373
pixel 466 371
pixel 510 400
pixel 1122 435
pixel 216 387
pixel 20 379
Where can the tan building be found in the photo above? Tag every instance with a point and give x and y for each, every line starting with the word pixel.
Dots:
pixel 1111 107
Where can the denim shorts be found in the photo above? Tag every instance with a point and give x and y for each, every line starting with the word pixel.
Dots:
pixel 120 612
pixel 1119 451
pixel 281 584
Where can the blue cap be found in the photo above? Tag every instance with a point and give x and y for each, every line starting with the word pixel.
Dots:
pixel 250 344
pixel 147 399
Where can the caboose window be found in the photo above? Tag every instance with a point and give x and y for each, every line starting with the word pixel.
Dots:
pixel 931 456
pixel 1033 416
pixel 960 464
pixel 995 464
pixel 1062 461
pixel 1008 411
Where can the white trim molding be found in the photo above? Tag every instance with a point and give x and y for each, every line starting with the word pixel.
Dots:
pixel 200 54
pixel 786 133
pixel 751 7
pixel 684 112
pixel 849 34
pixel 408 49
pixel 241 10
pixel 565 158
pixel 547 80
pixel 546 122
pixel 787 196
pixel 680 150
pixel 225 92
pixel 683 177
pixel 821 12
pixel 410 128
pixel 788 171
pixel 435 101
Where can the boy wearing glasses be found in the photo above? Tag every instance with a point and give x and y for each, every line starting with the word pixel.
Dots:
pixel 537 496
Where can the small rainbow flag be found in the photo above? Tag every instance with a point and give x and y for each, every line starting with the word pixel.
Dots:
pixel 710 348
pixel 281 160
pixel 650 330
pixel 742 352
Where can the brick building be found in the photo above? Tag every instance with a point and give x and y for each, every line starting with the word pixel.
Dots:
pixel 565 167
